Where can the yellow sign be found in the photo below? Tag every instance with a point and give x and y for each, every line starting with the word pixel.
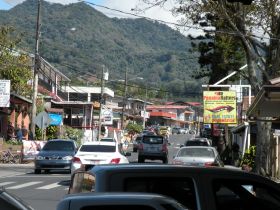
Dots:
pixel 219 107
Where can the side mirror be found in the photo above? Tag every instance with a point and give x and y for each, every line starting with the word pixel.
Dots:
pixel 181 145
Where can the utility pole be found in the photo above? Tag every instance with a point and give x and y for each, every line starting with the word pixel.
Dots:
pixel 145 101
pixel 35 74
pixel 124 100
pixel 100 102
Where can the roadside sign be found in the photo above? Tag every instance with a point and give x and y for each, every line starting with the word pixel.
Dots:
pixel 5 87
pixel 42 120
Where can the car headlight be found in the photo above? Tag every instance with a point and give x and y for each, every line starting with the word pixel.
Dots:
pixel 67 158
pixel 39 158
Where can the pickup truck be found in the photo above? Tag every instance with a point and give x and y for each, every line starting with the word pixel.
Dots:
pixel 197 188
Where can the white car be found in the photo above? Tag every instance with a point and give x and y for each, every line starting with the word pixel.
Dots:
pixel 98 152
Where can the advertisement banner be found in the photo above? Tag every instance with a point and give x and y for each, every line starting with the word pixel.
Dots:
pixel 56 119
pixel 107 116
pixel 219 107
pixel 31 148
pixel 5 86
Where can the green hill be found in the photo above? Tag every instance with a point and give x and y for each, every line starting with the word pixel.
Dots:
pixel 77 39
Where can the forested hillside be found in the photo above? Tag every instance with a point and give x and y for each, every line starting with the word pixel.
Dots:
pixel 77 39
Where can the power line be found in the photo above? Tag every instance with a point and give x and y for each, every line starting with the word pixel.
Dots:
pixel 181 25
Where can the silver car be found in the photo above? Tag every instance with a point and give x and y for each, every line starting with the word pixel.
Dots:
pixel 198 156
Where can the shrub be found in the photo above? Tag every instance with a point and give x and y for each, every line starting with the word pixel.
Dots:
pixel 249 157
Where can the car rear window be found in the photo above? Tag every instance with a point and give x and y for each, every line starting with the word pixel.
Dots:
pixel 58 146
pixel 98 148
pixel 152 140
pixel 196 152
pixel 196 143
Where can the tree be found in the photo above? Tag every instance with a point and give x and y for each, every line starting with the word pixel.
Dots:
pixel 242 22
pixel 13 65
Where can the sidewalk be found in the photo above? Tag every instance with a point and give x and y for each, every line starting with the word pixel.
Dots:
pixel 11 165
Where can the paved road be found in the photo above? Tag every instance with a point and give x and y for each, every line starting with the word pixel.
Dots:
pixel 44 191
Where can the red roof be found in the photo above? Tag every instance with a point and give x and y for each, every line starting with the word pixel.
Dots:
pixel 150 107
pixel 163 114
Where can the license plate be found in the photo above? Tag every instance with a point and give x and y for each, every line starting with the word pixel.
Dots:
pixel 94 162
pixel 152 149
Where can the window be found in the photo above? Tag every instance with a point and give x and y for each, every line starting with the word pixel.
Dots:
pixel 152 140
pixel 98 148
pixel 59 146
pixel 239 195
pixel 179 188
pixel 196 152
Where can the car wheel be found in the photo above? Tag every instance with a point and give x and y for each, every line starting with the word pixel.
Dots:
pixel 141 160
pixel 37 171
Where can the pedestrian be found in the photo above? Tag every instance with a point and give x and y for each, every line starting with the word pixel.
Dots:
pixel 19 134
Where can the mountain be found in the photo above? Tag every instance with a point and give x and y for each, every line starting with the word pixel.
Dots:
pixel 78 40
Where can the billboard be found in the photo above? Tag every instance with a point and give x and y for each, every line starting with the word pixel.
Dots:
pixel 219 107
pixel 5 86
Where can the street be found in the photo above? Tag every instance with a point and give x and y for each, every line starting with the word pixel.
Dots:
pixel 44 191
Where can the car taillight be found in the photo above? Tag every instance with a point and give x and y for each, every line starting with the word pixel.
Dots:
pixel 77 160
pixel 140 147
pixel 115 161
pixel 164 148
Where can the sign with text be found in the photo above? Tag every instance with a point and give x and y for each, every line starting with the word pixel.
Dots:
pixel 5 87
pixel 219 107
pixel 107 116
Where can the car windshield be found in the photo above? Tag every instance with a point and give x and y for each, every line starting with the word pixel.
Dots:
pixel 98 148
pixel 58 146
pixel 196 152
pixel 196 143
pixel 152 140
pixel 108 140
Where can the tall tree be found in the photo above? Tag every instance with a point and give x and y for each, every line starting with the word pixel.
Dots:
pixel 257 27
pixel 14 66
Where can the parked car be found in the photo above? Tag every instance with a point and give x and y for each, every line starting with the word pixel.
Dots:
pixel 121 201
pixel 197 188
pixel 198 156
pixel 98 152
pixel 136 143
pixel 56 154
pixel 153 148
pixel 9 201
pixel 198 142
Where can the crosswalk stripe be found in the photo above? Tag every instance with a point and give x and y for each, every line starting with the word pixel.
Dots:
pixel 49 186
pixel 23 185
pixel 5 183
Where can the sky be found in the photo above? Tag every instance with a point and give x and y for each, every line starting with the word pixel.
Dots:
pixel 157 13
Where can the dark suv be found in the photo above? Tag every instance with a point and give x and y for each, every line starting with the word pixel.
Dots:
pixel 153 148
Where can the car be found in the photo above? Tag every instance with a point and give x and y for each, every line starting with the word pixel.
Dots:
pixel 56 154
pixel 178 130
pixel 153 148
pixel 198 142
pixel 9 201
pixel 197 188
pixel 136 143
pixel 98 152
pixel 124 201
pixel 198 156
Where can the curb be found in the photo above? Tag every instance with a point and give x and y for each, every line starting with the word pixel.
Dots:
pixel 25 165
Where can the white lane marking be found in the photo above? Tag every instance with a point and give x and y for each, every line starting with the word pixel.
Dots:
pixel 49 186
pixel 5 183
pixel 23 185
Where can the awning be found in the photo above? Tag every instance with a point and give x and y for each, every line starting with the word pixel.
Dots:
pixel 266 103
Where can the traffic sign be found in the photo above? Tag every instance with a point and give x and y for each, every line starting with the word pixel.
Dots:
pixel 42 120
